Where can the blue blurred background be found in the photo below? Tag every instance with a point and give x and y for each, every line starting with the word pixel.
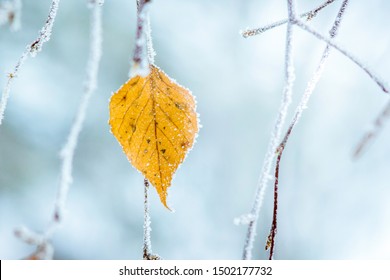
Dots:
pixel 331 207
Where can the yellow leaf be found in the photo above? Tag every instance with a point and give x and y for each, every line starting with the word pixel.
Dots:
pixel 155 121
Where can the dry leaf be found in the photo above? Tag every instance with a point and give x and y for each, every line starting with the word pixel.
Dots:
pixel 155 121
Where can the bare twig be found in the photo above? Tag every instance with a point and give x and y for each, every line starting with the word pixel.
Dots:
pixel 147 247
pixel 298 113
pixel 31 49
pixel 308 15
pixel 275 136
pixel 67 153
pixel 274 227
pixel 331 43
pixel 373 132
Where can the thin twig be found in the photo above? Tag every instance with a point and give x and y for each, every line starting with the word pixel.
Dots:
pixel 31 49
pixel 308 15
pixel 275 136
pixel 140 58
pixel 331 43
pixel 373 132
pixel 147 247
pixel 67 153
pixel 298 113
pixel 90 85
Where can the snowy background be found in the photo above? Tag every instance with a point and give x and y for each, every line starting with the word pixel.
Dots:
pixel 331 207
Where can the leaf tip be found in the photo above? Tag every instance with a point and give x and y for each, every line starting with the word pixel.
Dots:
pixel 163 199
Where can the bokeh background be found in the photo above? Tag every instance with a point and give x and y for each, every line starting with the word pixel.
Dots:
pixel 331 207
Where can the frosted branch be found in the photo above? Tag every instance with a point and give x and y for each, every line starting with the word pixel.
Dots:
pixel 372 133
pixel 31 49
pixel 143 48
pixel 275 135
pixel 147 247
pixel 308 15
pixel 67 153
pixel 298 113
pixel 331 43
pixel 10 13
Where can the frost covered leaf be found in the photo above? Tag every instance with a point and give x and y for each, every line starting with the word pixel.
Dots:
pixel 155 121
